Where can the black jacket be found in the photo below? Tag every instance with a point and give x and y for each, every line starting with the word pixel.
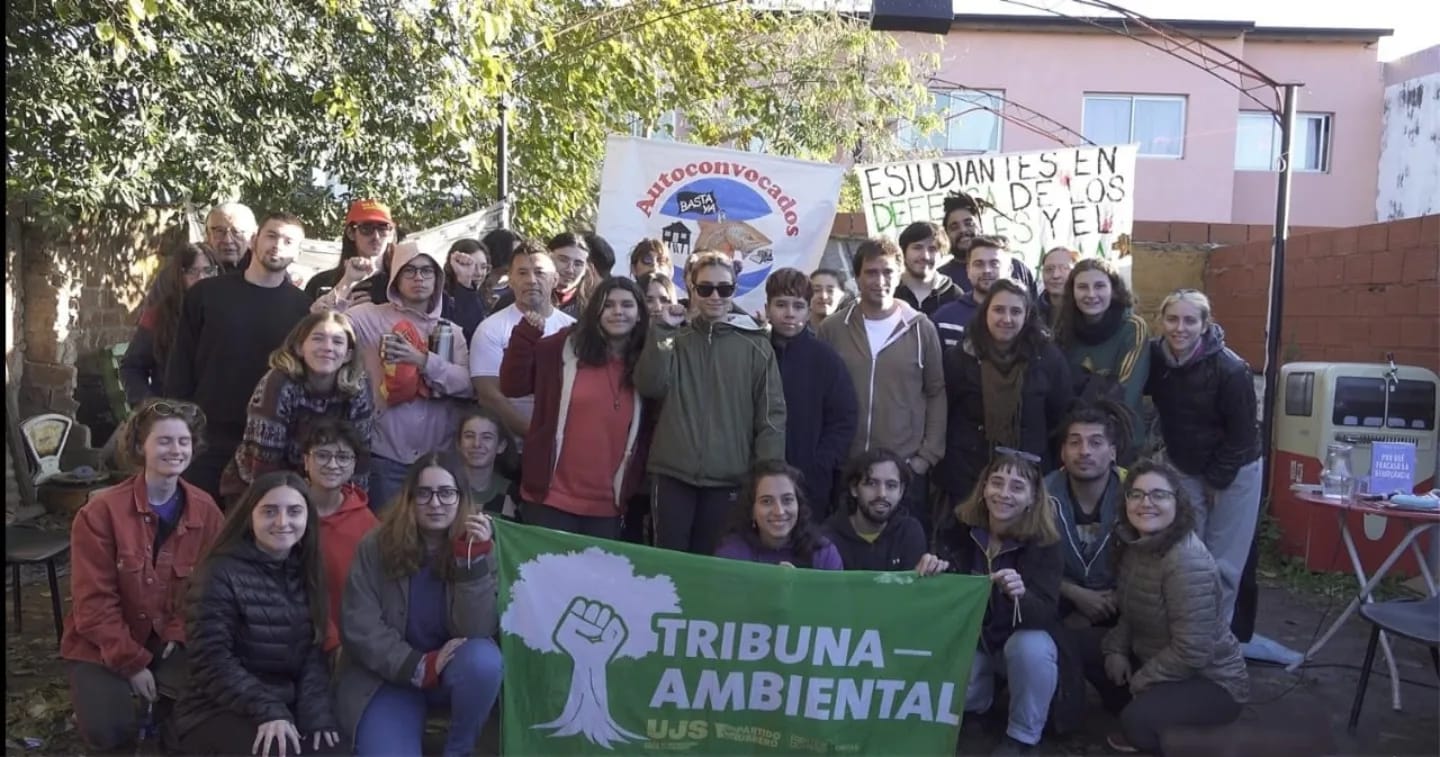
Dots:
pixel 1045 397
pixel 252 649
pixel 821 414
pixel 945 291
pixel 899 547
pixel 1207 409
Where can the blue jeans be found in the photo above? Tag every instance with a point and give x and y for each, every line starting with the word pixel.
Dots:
pixel 394 720
pixel 1031 666
pixel 387 477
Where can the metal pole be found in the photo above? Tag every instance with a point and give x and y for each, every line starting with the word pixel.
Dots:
pixel 502 159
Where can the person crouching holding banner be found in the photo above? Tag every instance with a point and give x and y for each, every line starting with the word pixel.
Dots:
pixel 1006 529
pixel 772 523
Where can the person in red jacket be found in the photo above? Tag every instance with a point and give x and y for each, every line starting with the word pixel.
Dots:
pixel 133 547
pixel 586 448
pixel 330 450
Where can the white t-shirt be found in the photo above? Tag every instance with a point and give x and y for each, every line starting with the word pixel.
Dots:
pixel 878 331
pixel 487 348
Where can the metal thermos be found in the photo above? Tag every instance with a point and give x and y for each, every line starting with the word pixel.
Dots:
pixel 442 340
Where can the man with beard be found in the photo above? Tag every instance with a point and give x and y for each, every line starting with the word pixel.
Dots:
pixel 922 286
pixel 369 231
pixel 1086 493
pixel 532 279
pixel 963 222
pixel 873 534
pixel 228 327
pixel 988 257
pixel 230 231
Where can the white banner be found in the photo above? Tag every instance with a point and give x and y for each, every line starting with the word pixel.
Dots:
pixel 766 212
pixel 1081 197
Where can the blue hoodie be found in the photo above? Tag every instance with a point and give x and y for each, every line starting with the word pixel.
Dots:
pixel 821 413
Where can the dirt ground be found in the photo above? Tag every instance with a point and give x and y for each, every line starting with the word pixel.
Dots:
pixel 1290 715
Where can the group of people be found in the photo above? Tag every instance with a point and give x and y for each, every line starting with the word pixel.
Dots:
pixel 301 560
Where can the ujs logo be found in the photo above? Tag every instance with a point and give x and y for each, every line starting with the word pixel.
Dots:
pixel 716 213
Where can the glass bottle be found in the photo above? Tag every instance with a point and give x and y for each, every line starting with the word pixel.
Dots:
pixel 1337 477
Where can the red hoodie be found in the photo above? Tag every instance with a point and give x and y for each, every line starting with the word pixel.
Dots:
pixel 340 534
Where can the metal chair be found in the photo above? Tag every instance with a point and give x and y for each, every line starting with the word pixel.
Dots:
pixel 1418 620
pixel 27 545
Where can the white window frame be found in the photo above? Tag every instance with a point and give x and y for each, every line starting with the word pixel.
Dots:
pixel 906 134
pixel 1326 156
pixel 638 127
pixel 1134 98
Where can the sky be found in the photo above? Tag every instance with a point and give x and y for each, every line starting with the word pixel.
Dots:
pixel 1416 22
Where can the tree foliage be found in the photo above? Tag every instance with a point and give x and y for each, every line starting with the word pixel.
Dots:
pixel 131 102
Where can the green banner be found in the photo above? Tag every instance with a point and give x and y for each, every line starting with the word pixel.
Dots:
pixel 613 647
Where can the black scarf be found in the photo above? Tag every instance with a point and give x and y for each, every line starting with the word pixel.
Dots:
pixel 1096 333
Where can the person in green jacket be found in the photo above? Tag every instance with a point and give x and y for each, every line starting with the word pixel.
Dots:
pixel 724 406
pixel 1105 342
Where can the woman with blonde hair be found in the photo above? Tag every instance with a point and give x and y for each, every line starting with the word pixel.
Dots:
pixel 418 618
pixel 1006 529
pixel 315 374
pixel 1204 394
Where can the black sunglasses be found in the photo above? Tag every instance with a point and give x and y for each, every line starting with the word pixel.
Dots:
pixel 705 290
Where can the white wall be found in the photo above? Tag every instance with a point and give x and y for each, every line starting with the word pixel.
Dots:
pixel 1409 183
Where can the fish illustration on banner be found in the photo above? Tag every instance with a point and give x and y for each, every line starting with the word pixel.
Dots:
pixel 1081 197
pixel 764 212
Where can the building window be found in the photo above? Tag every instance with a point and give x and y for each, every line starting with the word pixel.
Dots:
pixel 1156 122
pixel 971 122
pixel 1257 142
pixel 667 128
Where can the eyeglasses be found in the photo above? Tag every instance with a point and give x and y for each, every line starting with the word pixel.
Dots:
pixel 1161 497
pixel 208 270
pixel 326 457
pixel 1028 457
pixel 373 229
pixel 652 260
pixel 445 496
pixel 223 231
pixel 411 272
pixel 705 290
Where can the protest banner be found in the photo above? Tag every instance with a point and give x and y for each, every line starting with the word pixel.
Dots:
pixel 763 211
pixel 635 650
pixel 1080 197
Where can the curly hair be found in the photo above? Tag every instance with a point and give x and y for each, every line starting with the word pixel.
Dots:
pixel 402 550
pixel 1183 524
pixel 129 449
pixel 805 539
pixel 1110 415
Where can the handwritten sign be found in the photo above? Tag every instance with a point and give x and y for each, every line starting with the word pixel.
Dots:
pixel 1081 197
pixel 1392 467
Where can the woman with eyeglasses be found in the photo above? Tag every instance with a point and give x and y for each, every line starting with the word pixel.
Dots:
pixel 467 266
pixel 724 407
pixel 586 449
pixel 418 620
pixel 1204 394
pixel 142 369
pixel 256 624
pixel 1105 343
pixel 331 450
pixel 1055 269
pixel 1005 529
pixel 1171 659
pixel 317 373
pixel 1007 386
pixel 133 547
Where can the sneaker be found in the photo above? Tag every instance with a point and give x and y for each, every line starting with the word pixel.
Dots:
pixel 1118 743
pixel 1012 746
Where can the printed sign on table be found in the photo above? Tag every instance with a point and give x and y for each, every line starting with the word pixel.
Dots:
pixel 765 212
pixel 1081 197
pixel 613 648
pixel 1392 467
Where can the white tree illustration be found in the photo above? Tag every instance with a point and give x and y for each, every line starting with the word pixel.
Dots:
pixel 591 606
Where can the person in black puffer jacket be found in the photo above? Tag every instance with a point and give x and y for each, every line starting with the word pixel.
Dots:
pixel 1205 396
pixel 257 621
pixel 1007 386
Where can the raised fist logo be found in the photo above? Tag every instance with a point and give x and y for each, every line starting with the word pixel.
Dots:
pixel 591 632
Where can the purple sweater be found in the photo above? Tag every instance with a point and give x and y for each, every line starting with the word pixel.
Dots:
pixel 736 548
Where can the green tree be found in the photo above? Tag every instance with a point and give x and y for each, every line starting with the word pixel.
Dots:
pixel 130 102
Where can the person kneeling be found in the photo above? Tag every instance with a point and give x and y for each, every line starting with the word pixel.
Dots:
pixel 418 618
pixel 1006 530
pixel 772 523
pixel 1171 653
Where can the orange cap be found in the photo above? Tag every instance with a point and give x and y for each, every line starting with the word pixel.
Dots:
pixel 368 210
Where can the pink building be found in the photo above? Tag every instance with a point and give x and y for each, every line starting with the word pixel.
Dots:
pixel 1207 151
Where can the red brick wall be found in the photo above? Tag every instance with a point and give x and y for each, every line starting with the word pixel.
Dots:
pixel 1351 294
